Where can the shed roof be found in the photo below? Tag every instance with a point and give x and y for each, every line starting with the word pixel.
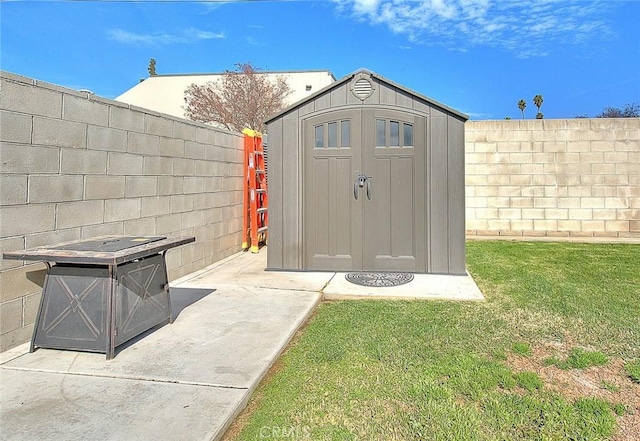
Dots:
pixel 349 77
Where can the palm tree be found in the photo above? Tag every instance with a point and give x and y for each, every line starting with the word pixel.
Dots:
pixel 152 67
pixel 537 101
pixel 522 104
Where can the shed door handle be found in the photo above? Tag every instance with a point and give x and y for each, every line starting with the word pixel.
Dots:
pixel 360 182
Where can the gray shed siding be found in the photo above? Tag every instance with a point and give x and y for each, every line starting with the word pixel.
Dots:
pixel 444 193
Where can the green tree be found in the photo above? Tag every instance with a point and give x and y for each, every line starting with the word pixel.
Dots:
pixel 537 101
pixel 152 67
pixel 522 104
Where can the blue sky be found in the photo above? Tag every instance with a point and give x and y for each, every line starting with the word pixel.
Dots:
pixel 477 56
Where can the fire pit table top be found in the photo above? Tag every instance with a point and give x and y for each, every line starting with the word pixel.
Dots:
pixel 103 250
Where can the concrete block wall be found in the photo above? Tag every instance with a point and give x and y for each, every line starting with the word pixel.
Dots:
pixel 74 165
pixel 561 178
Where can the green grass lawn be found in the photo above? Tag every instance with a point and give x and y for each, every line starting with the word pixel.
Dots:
pixel 552 354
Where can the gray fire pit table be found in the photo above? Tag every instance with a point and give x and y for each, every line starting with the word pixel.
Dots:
pixel 101 292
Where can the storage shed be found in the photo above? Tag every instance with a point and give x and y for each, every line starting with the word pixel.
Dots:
pixel 367 175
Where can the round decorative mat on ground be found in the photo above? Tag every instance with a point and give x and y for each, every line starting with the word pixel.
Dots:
pixel 379 279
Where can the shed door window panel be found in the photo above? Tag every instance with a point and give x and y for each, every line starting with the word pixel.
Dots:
pixel 345 131
pixel 390 133
pixel 319 137
pixel 407 133
pixel 333 134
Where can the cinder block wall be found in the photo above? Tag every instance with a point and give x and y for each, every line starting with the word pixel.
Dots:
pixel 75 166
pixel 573 177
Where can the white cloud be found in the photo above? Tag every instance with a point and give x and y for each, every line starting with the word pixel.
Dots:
pixel 528 28
pixel 203 35
pixel 211 5
pixel 444 9
pixel 494 27
pixel 132 38
pixel 254 42
pixel 189 35
pixel 365 6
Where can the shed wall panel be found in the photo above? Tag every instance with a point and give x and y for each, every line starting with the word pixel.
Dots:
pixel 307 108
pixel 456 191
pixel 422 228
pixel 291 193
pixel 387 94
pixel 274 170
pixel 436 112
pixel 404 100
pixel 427 196
pixel 420 106
pixel 439 201
pixel 323 101
pixel 339 97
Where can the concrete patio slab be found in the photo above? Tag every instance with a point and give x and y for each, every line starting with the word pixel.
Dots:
pixel 56 406
pixel 423 286
pixel 228 338
pixel 248 269
pixel 184 381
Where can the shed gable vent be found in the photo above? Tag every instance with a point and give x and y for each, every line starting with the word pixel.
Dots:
pixel 362 88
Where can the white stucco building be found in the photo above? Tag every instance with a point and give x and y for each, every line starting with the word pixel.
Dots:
pixel 165 93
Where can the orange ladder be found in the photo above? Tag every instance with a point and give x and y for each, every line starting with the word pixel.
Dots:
pixel 256 199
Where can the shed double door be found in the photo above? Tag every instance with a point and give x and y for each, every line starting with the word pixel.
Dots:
pixel 364 191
